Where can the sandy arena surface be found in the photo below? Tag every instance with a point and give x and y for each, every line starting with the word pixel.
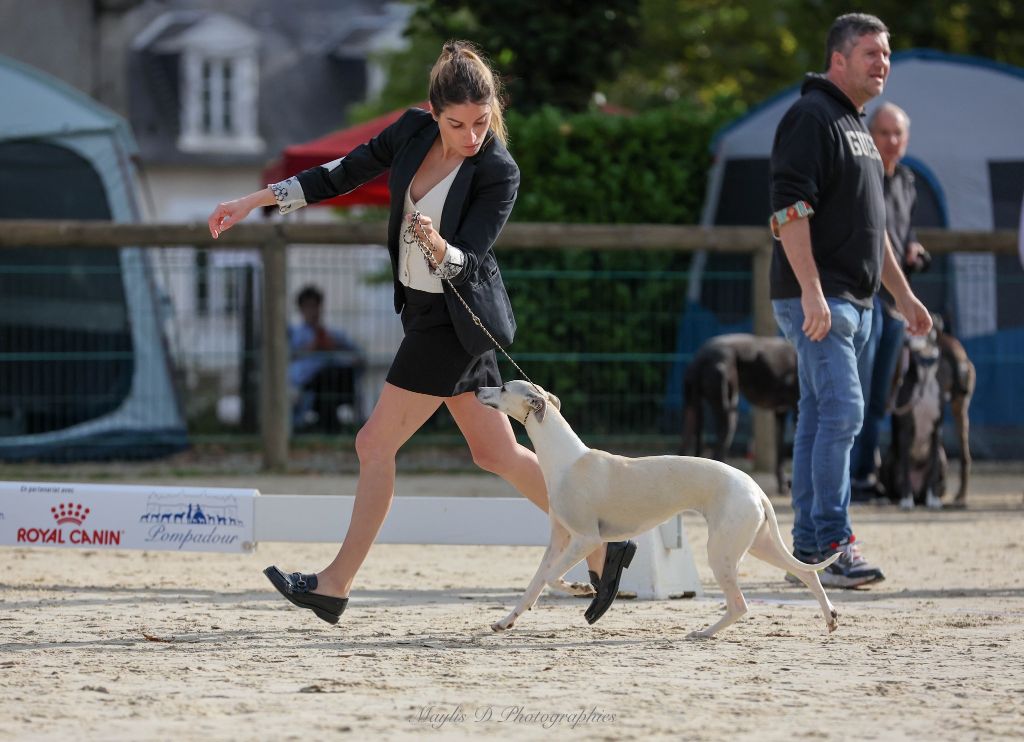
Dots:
pixel 159 645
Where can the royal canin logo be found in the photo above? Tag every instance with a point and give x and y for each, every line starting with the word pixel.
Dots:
pixel 69 513
pixel 73 514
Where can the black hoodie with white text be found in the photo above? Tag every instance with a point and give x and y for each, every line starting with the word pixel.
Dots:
pixel 824 155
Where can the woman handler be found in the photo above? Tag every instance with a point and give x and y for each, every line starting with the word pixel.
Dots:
pixel 450 167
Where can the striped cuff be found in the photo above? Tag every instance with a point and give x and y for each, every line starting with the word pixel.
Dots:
pixel 452 263
pixel 799 210
pixel 288 194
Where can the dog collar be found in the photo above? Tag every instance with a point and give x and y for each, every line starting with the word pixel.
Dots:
pixel 527 416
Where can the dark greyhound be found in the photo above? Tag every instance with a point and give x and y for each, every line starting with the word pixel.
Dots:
pixel 762 369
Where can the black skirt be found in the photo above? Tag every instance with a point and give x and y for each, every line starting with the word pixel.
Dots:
pixel 431 360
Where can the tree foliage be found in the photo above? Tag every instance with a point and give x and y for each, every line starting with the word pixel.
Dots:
pixel 751 49
pixel 646 53
pixel 550 53
pixel 547 53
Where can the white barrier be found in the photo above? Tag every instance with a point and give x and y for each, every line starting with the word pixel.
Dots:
pixel 215 519
pixel 663 565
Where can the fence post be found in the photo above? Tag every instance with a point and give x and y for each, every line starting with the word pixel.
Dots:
pixel 275 415
pixel 764 324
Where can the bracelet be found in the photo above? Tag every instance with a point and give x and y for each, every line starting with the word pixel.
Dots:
pixel 799 210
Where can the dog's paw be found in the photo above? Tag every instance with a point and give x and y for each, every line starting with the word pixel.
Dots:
pixel 579 589
pixel 833 623
pixel 698 635
pixel 499 626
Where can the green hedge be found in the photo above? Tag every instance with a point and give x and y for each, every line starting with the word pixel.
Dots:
pixel 600 168
pixel 605 318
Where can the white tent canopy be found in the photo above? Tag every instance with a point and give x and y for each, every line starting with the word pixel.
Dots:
pixel 50 134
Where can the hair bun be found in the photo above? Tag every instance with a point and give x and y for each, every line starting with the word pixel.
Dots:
pixel 451 48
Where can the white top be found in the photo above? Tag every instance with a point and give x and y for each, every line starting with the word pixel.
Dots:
pixel 413 269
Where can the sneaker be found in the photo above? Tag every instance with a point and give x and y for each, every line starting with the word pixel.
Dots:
pixel 807 557
pixel 907 502
pixel 850 569
pixel 932 502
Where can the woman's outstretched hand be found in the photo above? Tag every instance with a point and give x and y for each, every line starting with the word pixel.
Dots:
pixel 229 213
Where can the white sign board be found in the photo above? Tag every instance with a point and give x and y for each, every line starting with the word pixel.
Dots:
pixel 101 516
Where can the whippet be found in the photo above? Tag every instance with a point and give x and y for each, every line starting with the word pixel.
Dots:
pixel 595 496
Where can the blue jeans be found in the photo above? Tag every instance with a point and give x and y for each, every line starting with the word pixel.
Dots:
pixel 831 411
pixel 877 366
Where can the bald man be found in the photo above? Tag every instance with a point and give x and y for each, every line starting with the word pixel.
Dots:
pixel 890 128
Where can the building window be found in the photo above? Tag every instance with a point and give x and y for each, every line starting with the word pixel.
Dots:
pixel 217 99
pixel 226 102
pixel 219 104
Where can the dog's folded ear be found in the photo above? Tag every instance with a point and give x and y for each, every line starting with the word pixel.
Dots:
pixel 555 401
pixel 538 401
pixel 538 404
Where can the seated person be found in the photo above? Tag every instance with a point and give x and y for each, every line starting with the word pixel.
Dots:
pixel 324 367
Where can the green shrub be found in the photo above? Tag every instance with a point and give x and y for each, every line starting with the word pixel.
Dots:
pixel 606 319
pixel 599 168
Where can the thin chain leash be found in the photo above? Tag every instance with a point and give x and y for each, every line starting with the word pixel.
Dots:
pixel 412 237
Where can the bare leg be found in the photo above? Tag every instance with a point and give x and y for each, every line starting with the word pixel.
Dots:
pixel 495 449
pixel 399 413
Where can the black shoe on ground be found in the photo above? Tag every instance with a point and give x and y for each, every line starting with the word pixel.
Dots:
pixel 298 588
pixel 618 556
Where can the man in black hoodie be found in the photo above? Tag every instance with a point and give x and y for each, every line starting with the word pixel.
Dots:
pixel 832 255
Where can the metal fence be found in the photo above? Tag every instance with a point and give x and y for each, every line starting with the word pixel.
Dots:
pixel 609 316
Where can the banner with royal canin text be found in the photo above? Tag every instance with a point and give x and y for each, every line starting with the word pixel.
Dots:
pixel 101 516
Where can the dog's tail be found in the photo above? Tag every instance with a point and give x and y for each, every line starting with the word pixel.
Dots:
pixel 776 535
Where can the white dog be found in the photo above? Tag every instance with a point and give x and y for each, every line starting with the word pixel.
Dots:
pixel 596 497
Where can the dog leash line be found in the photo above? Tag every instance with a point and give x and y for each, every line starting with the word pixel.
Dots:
pixel 412 237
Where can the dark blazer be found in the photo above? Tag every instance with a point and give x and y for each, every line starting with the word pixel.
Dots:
pixel 478 205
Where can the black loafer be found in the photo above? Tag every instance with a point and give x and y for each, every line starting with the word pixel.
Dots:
pixel 298 588
pixel 618 556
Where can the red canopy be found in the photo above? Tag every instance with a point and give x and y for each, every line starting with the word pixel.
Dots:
pixel 299 157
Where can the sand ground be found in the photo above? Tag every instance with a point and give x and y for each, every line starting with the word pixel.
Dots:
pixel 161 645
